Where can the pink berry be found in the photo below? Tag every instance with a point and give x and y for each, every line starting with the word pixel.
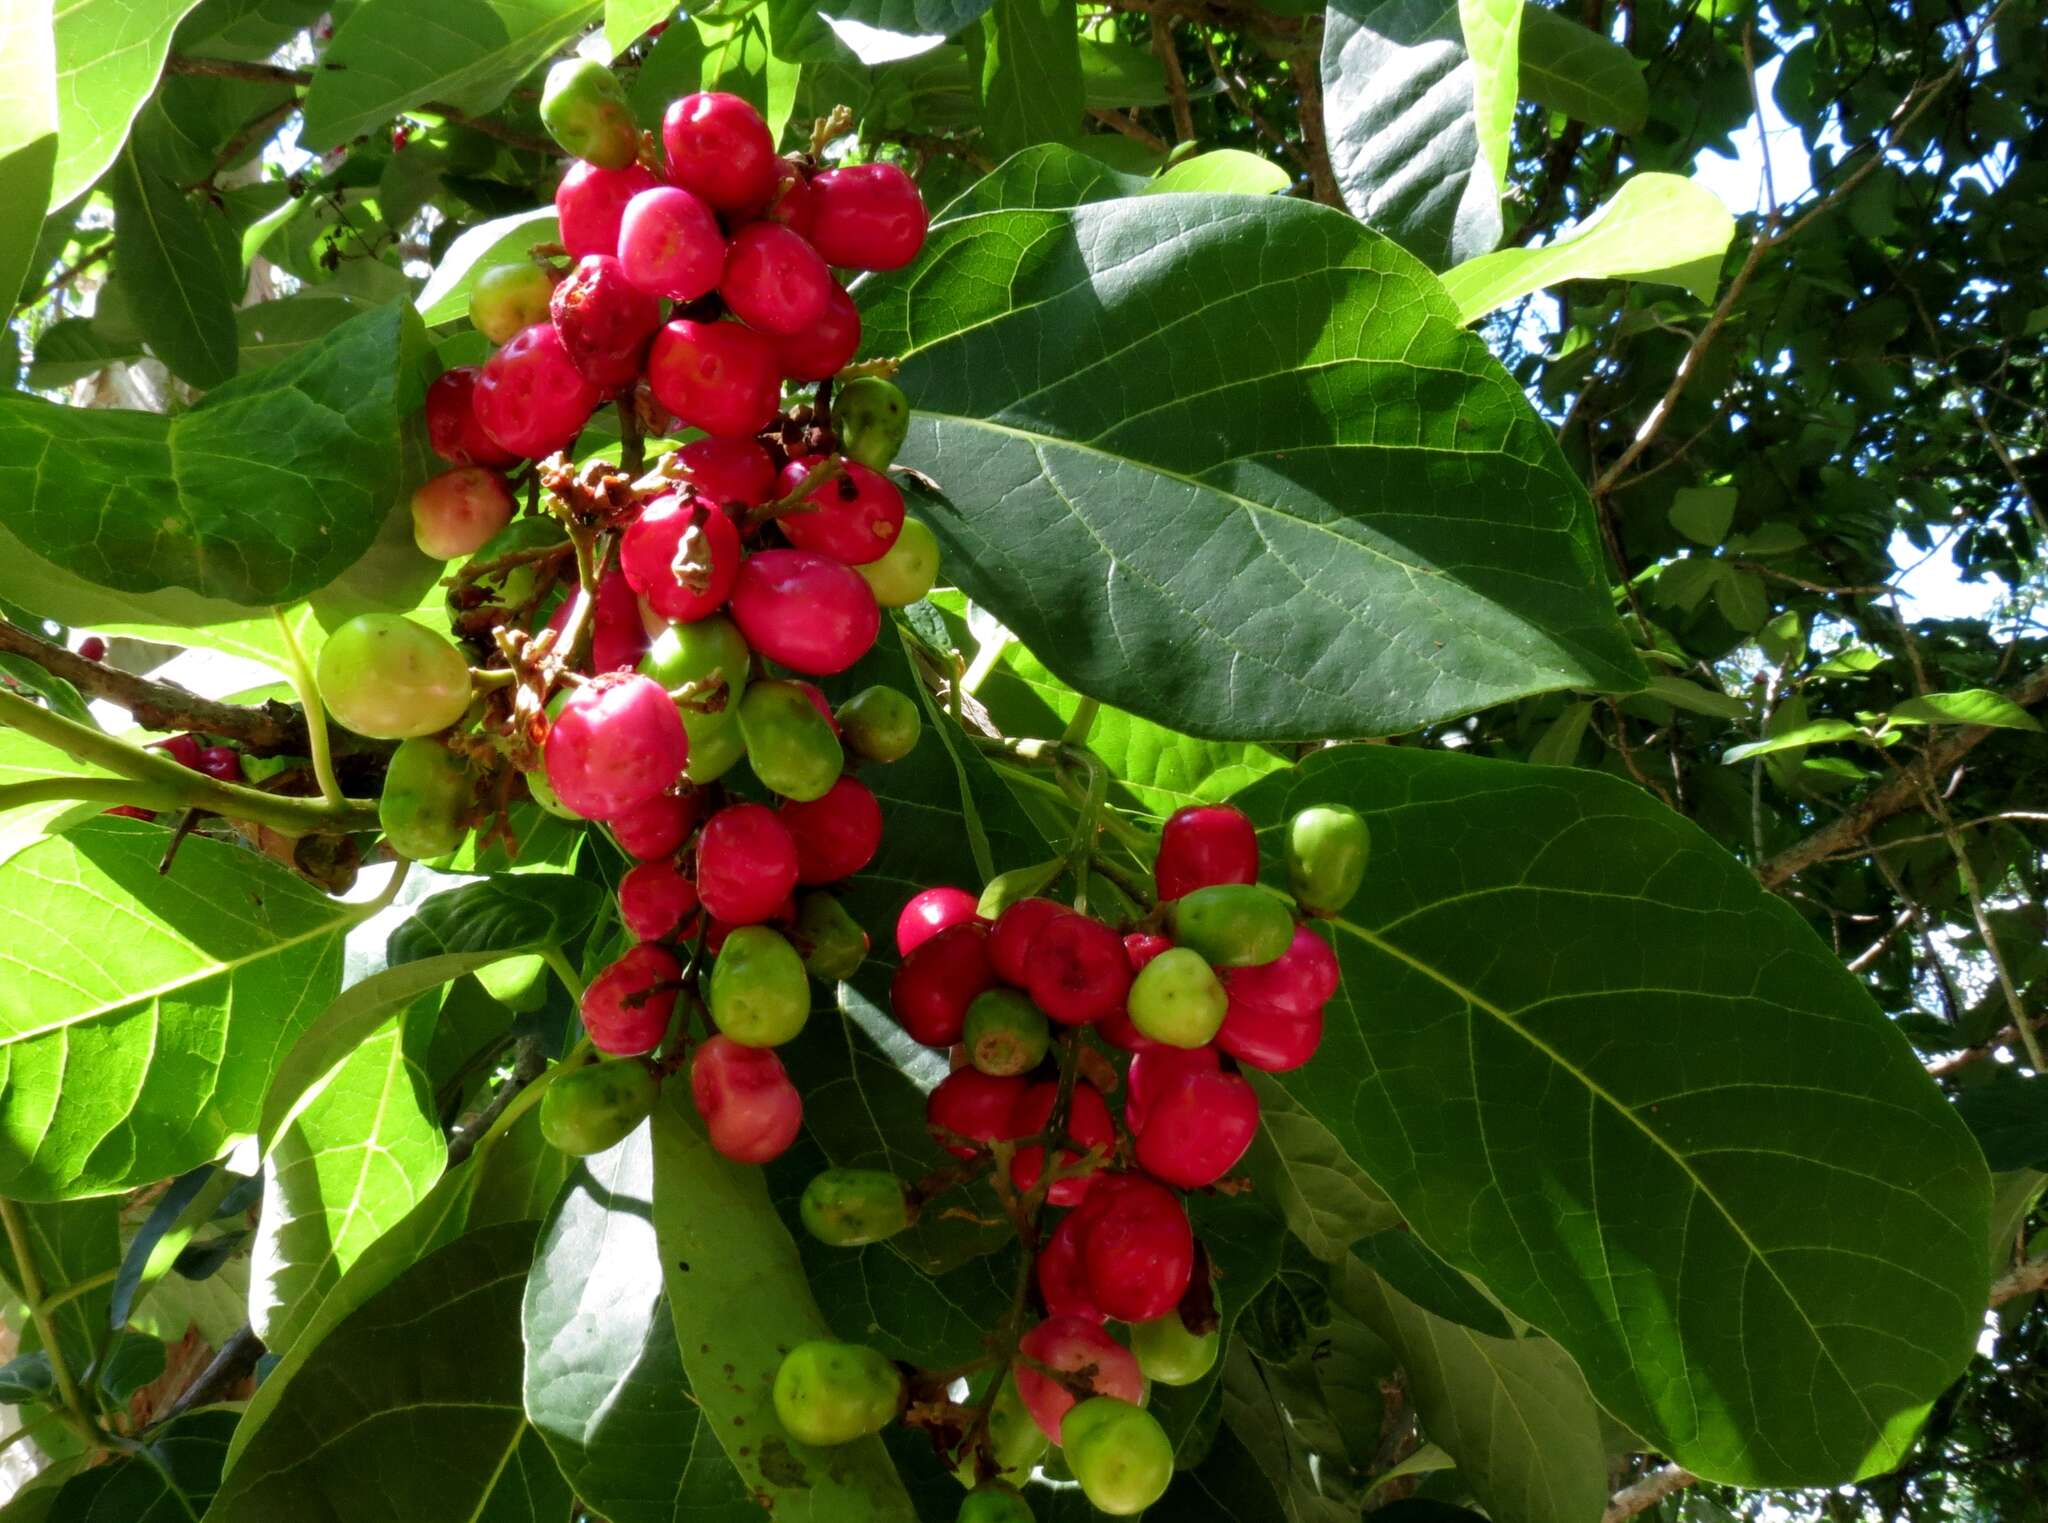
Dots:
pixel 657 901
pixel 681 554
pixel 930 912
pixel 789 204
pixel 774 281
pixel 619 634
pixel 605 321
pixel 746 864
pixel 130 812
pixel 1272 1040
pixel 1195 1126
pixel 837 834
pixel 813 614
pixel 971 1104
pixel 935 984
pixel 457 512
pixel 1088 1124
pixel 867 217
pixel 1142 946
pixel 728 471
pixel 750 1109
pixel 657 828
pixel 1155 1070
pixel 1062 1278
pixel 92 648
pixel 1073 1346
pixel 1205 844
pixel 1078 971
pixel 1016 927
pixel 182 749
pixel 720 150
pixel 1298 983
pixel 827 346
pixel 590 203
pixel 670 244
pixel 627 1007
pixel 452 426
pixel 857 517
pixel 531 399
pixel 221 763
pixel 718 377
pixel 1138 1251
pixel 616 743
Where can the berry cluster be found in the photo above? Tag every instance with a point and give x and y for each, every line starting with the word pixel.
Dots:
pixel 196 753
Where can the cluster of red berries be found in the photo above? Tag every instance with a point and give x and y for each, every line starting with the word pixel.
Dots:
pixel 193 752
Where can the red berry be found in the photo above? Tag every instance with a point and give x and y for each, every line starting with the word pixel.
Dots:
pixel 720 150
pixel 182 749
pixel 605 320
pixel 728 471
pixel 670 245
pixel 657 828
pixel 681 554
pixel 718 377
pixel 813 614
pixel 1138 1250
pixel 1196 1125
pixel 867 217
pixel 1009 946
pixel 657 901
pixel 930 912
pixel 1088 1124
pixel 935 984
pixel 221 763
pixel 130 812
pixel 626 1010
pixel 857 517
pixel 620 635
pixel 790 202
pixel 590 202
pixel 1273 1040
pixel 827 346
pixel 1205 844
pixel 750 1109
pixel 819 701
pixel 531 398
pixel 1158 1068
pixel 457 512
pixel 970 1103
pixel 1078 972
pixel 774 281
pixel 1298 983
pixel 92 648
pixel 837 834
pixel 617 742
pixel 746 864
pixel 1120 1031
pixel 1142 946
pixel 452 426
pixel 1073 1346
pixel 1062 1279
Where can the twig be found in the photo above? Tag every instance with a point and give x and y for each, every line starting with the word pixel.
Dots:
pixel 2023 1280
pixel 528 1065
pixel 1306 66
pixel 315 712
pixel 1642 1495
pixel 69 273
pixel 1128 128
pixel 235 1363
pixel 1176 79
pixel 255 130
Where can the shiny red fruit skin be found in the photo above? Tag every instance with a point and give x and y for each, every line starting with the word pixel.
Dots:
pixel 656 829
pixel 1078 971
pixel 531 399
pixel 619 635
pixel 605 321
pixel 728 471
pixel 935 984
pixel 746 864
pixel 867 217
pixel 1297 983
pixel 619 1023
pixel 649 548
pixel 670 244
pixel 657 901
pixel 92 648
pixel 616 743
pixel 789 205
pixel 719 150
pixel 837 834
pixel 827 346
pixel 750 1109
pixel 970 1103
pixel 774 282
pixel 819 701
pixel 1062 1279
pixel 930 912
pixel 221 763
pixel 182 749
pixel 1071 1345
pixel 857 518
pixel 590 202
pixel 1205 844
pixel 1272 1040
pixel 718 377
pixel 1088 1124
pixel 811 613
pixel 452 427
pixel 1137 1251
pixel 1197 1127
pixel 1142 946
pixel 1010 944
pixel 1157 1069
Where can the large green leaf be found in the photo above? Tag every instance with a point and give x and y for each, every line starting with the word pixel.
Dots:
pixel 262 493
pixel 881 31
pixel 109 53
pixel 1573 69
pixel 26 760
pixel 1030 75
pixel 28 134
pixel 170 1479
pixel 1642 1073
pixel 1325 1197
pixel 1491 31
pixel 409 1411
pixel 184 301
pixel 142 1015
pixel 1344 521
pixel 504 240
pixel 70 1243
pixel 391 54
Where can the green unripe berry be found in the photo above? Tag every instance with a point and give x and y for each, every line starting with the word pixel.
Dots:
pixel 1233 925
pixel 1327 847
pixel 833 1393
pixel 879 723
pixel 995 1503
pixel 871 417
pixel 790 745
pixel 426 800
pixel 1015 1442
pixel 385 676
pixel 687 653
pixel 1178 999
pixel 1005 1033
pixel 908 569
pixel 585 111
pixel 849 1207
pixel 1171 1355
pixel 590 1109
pixel 1119 1453
pixel 832 941
pixel 508 298
pixel 759 994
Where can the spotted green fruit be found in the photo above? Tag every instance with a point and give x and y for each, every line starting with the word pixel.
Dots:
pixel 1171 1355
pixel 759 994
pixel 871 417
pixel 687 653
pixel 879 724
pixel 790 745
pixel 1016 1443
pixel 908 569
pixel 385 676
pixel 426 801
pixel 831 941
pixel 590 1109
pixel 1327 847
pixel 585 111
pixel 995 1503
pixel 1178 999
pixel 833 1393
pixel 1119 1453
pixel 1005 1033
pixel 506 299
pixel 1233 925
pixel 849 1207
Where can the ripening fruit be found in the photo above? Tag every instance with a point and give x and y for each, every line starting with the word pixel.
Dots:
pixel 425 804
pixel 746 864
pixel 531 398
pixel 759 996
pixel 1171 1355
pixel 751 1111
pixel 1233 925
pixel 1196 1125
pixel 384 676
pixel 720 150
pixel 457 512
pixel 658 902
pixel 936 983
pixel 626 1008
pixel 670 244
pixel 1137 1248
pixel 831 941
pixel 827 346
pixel 1154 1070
pixel 688 653
pixel 1271 1040
pixel 1177 999
pixel 605 321
pixel 585 111
pixel 833 1393
pixel 619 635
pixel 1071 1345
pixel 812 614
pixel 1061 1276
pixel 849 1207
pixel 1088 1125
pixel 1015 1443
pixel 1077 971
pixel 789 204
pixel 995 1503
pixel 879 724
pixel 595 1107
pixel 221 763
pixel 972 1105
pixel 910 568
pixel 452 426
pixel 507 299
pixel 590 202
pixel 774 281
pixel 656 829
pixel 728 471
pixel 681 554
pixel 1119 1453
pixel 867 217
pixel 929 912
pixel 1005 1033
pixel 790 745
pixel 1009 950
pixel 718 377
pixel 871 416
pixel 616 743
pixel 854 518
pixel 1204 844
pixel 1327 846
pixel 836 834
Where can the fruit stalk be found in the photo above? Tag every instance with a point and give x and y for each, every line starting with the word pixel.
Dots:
pixel 316 713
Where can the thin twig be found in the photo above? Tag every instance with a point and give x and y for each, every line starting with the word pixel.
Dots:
pixel 1642 1495
pixel 266 73
pixel 1176 79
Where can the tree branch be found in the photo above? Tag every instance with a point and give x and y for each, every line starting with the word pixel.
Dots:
pixel 1641 1496
pixel 265 73
pixel 2021 1281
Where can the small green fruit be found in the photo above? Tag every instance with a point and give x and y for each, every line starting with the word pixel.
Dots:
pixel 1119 1453
pixel 590 1109
pixel 995 1503
pixel 833 1393
pixel 1171 1355
pixel 585 111
pixel 832 941
pixel 849 1207
pixel 908 569
pixel 879 723
pixel 1178 999
pixel 506 299
pixel 1005 1033
pixel 871 417
pixel 790 745
pixel 1015 1442
pixel 385 676
pixel 426 800
pixel 686 653
pixel 1327 847
pixel 1233 925
pixel 759 994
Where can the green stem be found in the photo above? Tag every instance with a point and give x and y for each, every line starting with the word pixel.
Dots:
pixel 1076 733
pixel 389 893
pixel 31 1288
pixel 82 1288
pixel 565 971
pixel 316 714
pixel 111 791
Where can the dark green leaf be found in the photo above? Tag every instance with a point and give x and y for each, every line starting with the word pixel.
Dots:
pixel 276 330
pixel 1404 1262
pixel 1573 69
pixel 26 1379
pixel 132 1362
pixel 76 347
pixel 186 1206
pixel 1030 75
pixel 1703 514
pixel 176 274
pixel 2008 1115
pixel 171 1481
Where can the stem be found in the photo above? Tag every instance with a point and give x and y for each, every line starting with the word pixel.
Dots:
pixel 83 1287
pixel 815 480
pixel 1076 733
pixel 316 713
pixel 388 894
pixel 985 661
pixel 559 964
pixel 31 1288
pixel 632 442
pixel 111 791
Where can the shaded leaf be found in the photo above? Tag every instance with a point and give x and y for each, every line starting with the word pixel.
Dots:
pixel 2008 1115
pixel 28 135
pixel 1030 74
pixel 1402 1260
pixel 1573 69
pixel 174 270
pixel 170 1481
pixel 1703 514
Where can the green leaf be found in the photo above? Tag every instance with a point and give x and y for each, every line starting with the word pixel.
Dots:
pixel 392 54
pixel 1559 746
pixel 1030 75
pixel 132 1056
pixel 180 283
pixel 1298 1163
pixel 2012 1202
pixel 2008 1115
pixel 1223 172
pixel 1491 31
pixel 276 330
pixel 1696 697
pixel 132 1362
pixel 1234 540
pixel 69 1242
pixel 1742 600
pixel 1975 705
pixel 170 1480
pixel 74 348
pixel 409 1410
pixel 1401 1259
pixel 882 31
pixel 303 459
pixel 109 53
pixel 1399 99
pixel 28 135
pixel 1662 228
pixel 504 240
pixel 1705 1076
pixel 1820 732
pixel 1703 514
pixel 626 20
pixel 23 760
pixel 1574 70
